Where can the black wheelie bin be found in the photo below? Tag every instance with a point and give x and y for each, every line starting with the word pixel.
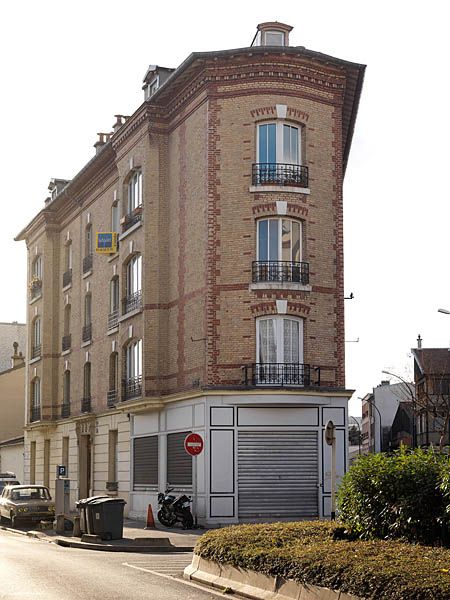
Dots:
pixel 106 516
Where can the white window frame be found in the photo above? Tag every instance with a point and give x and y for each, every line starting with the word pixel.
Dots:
pixel 114 294
pixel 37 267
pixel 134 191
pixel 37 332
pixel 134 275
pixel 275 32
pixel 280 238
pixel 279 336
pixel 133 360
pixel 36 393
pixel 280 158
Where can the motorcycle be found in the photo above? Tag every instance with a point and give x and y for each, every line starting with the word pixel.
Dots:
pixel 174 510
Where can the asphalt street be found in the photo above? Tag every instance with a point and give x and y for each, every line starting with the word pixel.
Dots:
pixel 35 569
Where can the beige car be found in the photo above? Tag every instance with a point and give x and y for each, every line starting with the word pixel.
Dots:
pixel 21 503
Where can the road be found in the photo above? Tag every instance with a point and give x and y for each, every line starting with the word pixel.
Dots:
pixel 34 569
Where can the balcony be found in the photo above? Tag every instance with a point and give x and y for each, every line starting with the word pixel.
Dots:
pixel 67 278
pixel 280 174
pixel 111 398
pixel 36 351
pixel 86 404
pixel 66 342
pixel 113 319
pixel 65 410
pixel 86 334
pixel 280 271
pixel 132 388
pixel 131 218
pixel 87 263
pixel 281 374
pixel 35 414
pixel 132 302
pixel 35 288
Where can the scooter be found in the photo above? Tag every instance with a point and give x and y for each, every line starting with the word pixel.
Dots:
pixel 174 510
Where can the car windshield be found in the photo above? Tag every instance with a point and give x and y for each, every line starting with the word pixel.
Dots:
pixel 31 493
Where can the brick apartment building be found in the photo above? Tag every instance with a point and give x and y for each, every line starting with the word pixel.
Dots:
pixel 222 311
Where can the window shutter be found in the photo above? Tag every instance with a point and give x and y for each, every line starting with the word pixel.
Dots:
pixel 179 462
pixel 145 462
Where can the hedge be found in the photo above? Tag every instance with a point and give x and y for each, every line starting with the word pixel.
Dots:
pixel 314 552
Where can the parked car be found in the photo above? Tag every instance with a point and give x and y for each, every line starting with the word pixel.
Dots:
pixel 8 478
pixel 20 503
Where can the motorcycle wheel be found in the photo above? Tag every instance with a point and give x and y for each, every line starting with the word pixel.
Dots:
pixel 164 520
pixel 188 521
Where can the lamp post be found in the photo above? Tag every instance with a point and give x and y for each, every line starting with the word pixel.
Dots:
pixel 359 436
pixel 413 401
pixel 379 416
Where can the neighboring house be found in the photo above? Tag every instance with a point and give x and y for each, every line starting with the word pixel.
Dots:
pixel 379 410
pixel 432 399
pixel 402 427
pixel 12 413
pixel 222 309
pixel 10 333
pixel 354 438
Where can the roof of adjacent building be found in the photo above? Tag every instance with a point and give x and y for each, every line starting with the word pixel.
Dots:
pixel 432 361
pixel 10 333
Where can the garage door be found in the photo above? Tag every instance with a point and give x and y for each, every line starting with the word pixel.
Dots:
pixel 278 474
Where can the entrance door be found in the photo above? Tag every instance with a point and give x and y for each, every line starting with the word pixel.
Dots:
pixel 84 464
pixel 278 474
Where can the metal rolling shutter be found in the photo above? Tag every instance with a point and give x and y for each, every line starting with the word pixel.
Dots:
pixel 145 461
pixel 179 462
pixel 278 474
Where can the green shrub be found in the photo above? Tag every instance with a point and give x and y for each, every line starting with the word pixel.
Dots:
pixel 308 552
pixel 399 495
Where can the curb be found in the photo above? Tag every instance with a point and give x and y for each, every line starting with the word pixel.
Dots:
pixel 256 586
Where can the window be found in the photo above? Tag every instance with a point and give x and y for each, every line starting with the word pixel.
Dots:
pixel 88 309
pixel 68 256
pixel 36 270
pixel 66 388
pixel 36 347
pixel 274 38
pixel 134 192
pixel 87 380
pixel 88 241
pixel 133 370
pixel 145 462
pixel 67 318
pixel 134 275
pixel 115 217
pixel 35 400
pixel 279 239
pixel 278 143
pixel 114 294
pixel 179 462
pixel 113 376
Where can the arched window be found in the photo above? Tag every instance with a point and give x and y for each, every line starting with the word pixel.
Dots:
pixel 113 378
pixel 279 351
pixel 133 271
pixel 35 399
pixel 65 410
pixel 133 370
pixel 134 191
pixel 37 338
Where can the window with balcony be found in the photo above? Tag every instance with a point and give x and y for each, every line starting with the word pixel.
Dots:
pixel 36 345
pixel 88 249
pixel 67 275
pixel 86 400
pixel 35 413
pixel 113 315
pixel 279 156
pixel 87 327
pixel 279 352
pixel 113 379
pixel 133 298
pixel 65 409
pixel 36 278
pixel 134 201
pixel 279 252
pixel 66 343
pixel 132 384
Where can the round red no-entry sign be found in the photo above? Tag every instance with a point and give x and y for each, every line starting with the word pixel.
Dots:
pixel 193 444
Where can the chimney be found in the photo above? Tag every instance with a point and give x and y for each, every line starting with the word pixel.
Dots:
pixel 17 360
pixel 120 120
pixel 103 138
pixel 419 341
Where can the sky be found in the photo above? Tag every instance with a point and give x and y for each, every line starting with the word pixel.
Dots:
pixel 68 67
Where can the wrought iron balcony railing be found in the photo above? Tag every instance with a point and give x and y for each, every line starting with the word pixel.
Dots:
pixel 111 398
pixel 36 351
pixel 279 174
pixel 66 342
pixel 86 334
pixel 35 288
pixel 113 319
pixel 65 410
pixel 67 278
pixel 281 374
pixel 131 218
pixel 86 404
pixel 280 271
pixel 132 302
pixel 132 387
pixel 35 414
pixel 87 263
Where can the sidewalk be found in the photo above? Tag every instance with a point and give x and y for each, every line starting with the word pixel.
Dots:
pixel 135 539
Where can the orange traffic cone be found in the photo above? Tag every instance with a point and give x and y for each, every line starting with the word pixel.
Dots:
pixel 150 519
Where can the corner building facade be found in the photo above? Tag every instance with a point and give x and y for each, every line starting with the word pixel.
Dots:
pixel 222 311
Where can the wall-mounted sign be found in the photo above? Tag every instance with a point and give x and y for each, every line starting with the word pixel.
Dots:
pixel 106 242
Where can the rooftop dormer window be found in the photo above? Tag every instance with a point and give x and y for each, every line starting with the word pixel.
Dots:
pixel 272 34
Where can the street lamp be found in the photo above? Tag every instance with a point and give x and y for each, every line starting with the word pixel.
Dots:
pixel 413 402
pixel 360 435
pixel 379 415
